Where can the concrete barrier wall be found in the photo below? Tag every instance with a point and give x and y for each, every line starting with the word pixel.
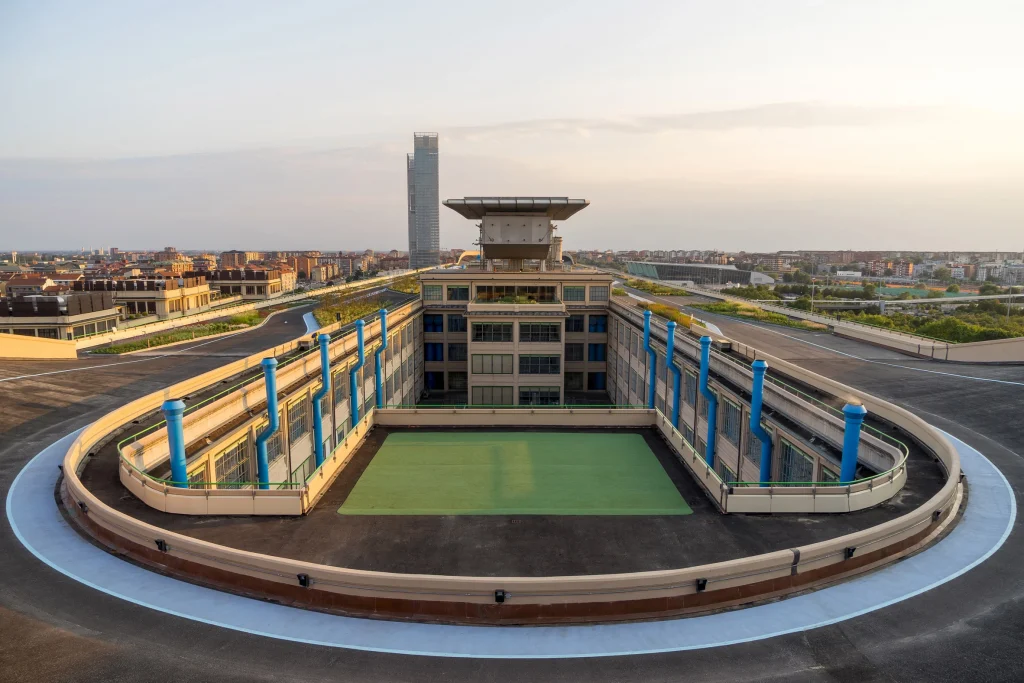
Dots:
pixel 19 346
pixel 994 351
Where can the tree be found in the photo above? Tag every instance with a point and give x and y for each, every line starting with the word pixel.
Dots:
pixel 954 288
pixel 988 289
pixel 803 303
pixel 944 274
pixel 920 285
pixel 888 272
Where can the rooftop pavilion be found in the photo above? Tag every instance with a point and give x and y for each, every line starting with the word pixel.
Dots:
pixel 518 228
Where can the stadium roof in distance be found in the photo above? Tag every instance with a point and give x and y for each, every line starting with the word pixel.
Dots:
pixel 555 208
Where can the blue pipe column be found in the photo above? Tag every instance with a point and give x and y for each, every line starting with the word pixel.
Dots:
pixel 173 410
pixel 854 413
pixel 353 394
pixel 270 381
pixel 318 397
pixel 705 359
pixel 670 354
pixel 652 361
pixel 378 375
pixel 756 403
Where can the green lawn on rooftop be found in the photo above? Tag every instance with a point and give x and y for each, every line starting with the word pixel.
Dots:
pixel 514 473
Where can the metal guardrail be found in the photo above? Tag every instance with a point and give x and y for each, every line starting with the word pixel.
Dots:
pixel 345 329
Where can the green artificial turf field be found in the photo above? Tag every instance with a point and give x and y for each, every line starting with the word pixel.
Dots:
pixel 514 473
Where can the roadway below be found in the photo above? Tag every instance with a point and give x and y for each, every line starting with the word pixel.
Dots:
pixel 55 629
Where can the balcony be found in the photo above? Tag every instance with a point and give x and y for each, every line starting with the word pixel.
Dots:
pixel 515 305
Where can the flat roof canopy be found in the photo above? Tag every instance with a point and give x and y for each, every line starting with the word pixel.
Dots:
pixel 555 208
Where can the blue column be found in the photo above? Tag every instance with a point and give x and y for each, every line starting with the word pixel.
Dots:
pixel 378 375
pixel 676 374
pixel 318 397
pixel 756 405
pixel 353 397
pixel 652 361
pixel 705 359
pixel 270 381
pixel 173 410
pixel 854 413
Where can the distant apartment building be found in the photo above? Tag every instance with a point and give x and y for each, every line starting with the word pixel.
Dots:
pixel 68 316
pixel 901 269
pixel 238 259
pixel 424 202
pixel 162 297
pixel 963 271
pixel 253 283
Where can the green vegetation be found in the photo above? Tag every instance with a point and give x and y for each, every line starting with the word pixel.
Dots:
pixel 234 323
pixel 976 322
pixel 410 284
pixel 507 473
pixel 618 291
pixel 751 312
pixel 335 308
pixel 759 292
pixel 652 288
pixel 668 313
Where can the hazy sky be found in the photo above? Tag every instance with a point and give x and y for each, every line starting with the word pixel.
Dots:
pixel 765 124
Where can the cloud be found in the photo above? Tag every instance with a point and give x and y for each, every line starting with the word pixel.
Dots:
pixel 776 115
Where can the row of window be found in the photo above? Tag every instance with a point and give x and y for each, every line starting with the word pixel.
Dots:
pixel 502 396
pixel 515 293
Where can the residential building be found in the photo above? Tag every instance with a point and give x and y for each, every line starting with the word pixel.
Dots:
pixel 424 208
pixel 253 283
pixel 65 317
pixel 163 297
pixel 238 259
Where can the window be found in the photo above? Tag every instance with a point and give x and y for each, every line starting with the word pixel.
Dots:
pixel 458 292
pixel 574 323
pixel 596 381
pixel 690 384
pixel 275 446
pixel 298 420
pixel 492 332
pixel 342 430
pixel 434 351
pixel 538 365
pixel 457 351
pixel 574 381
pixel 492 364
pixel 434 380
pixel 539 396
pixel 457 381
pixel 197 478
pixel 796 465
pixel 540 332
pixel 232 466
pixel 574 293
pixel 573 352
pixel 687 433
pixel 753 449
pixel 492 396
pixel 703 403
pixel 598 323
pixel 432 292
pixel 325 405
pixel 516 294
pixel 433 322
pixel 596 352
pixel 723 471
pixel 456 322
pixel 828 476
pixel 599 293
pixel 732 418
pixel 340 387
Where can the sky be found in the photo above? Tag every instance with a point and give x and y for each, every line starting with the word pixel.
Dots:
pixel 761 125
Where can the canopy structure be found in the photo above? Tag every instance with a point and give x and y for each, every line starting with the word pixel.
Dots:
pixel 554 208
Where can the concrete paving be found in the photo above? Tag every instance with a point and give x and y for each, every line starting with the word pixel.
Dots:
pixel 54 629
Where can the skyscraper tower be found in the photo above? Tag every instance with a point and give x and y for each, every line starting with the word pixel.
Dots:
pixel 424 204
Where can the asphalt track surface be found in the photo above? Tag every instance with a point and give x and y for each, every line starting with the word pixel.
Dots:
pixel 54 629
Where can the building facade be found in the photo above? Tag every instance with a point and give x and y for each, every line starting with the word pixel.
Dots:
pixel 162 297
pixel 698 273
pixel 424 206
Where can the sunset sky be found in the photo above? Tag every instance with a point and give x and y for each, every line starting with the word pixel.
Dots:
pixel 760 125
